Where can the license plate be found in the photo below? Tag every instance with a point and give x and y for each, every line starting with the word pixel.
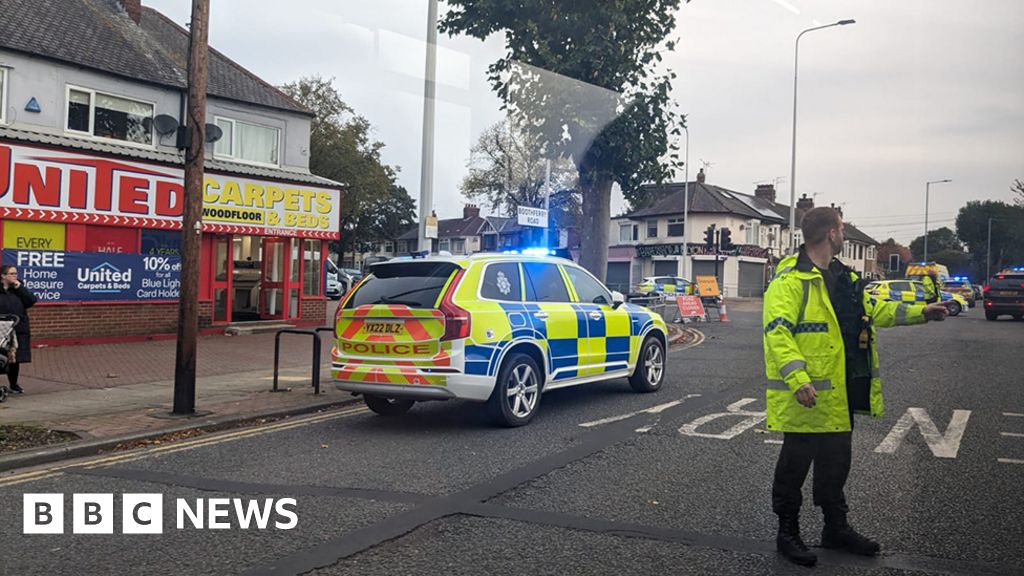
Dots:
pixel 382 328
pixel 1004 292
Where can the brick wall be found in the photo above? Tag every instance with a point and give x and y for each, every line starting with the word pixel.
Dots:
pixel 314 311
pixel 109 320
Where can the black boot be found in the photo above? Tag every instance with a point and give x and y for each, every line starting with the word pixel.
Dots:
pixel 15 389
pixel 789 544
pixel 838 534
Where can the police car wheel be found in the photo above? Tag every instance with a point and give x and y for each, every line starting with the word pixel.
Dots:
pixel 517 392
pixel 955 309
pixel 650 366
pixel 387 406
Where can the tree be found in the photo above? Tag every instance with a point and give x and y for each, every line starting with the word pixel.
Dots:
pixel 938 240
pixel 889 247
pixel 582 76
pixel 972 226
pixel 340 148
pixel 391 215
pixel 1018 189
pixel 507 170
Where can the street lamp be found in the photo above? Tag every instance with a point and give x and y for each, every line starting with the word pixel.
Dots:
pixel 686 206
pixel 792 172
pixel 988 249
pixel 927 187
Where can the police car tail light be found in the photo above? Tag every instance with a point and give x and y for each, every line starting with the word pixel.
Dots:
pixel 456 319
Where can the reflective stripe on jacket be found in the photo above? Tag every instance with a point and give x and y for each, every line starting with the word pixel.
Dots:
pixel 803 344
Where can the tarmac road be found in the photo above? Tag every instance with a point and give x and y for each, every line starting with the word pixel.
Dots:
pixel 682 489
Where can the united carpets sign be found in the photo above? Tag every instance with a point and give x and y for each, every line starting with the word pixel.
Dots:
pixel 69 187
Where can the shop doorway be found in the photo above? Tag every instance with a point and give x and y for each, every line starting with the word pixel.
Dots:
pixel 246 277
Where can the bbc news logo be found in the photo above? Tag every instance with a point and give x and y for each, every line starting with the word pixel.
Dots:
pixel 144 514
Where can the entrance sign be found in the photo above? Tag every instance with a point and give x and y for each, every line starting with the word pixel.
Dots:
pixel 708 286
pixel 45 185
pixel 532 216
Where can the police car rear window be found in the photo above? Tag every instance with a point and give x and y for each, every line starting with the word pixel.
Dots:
pixel 414 284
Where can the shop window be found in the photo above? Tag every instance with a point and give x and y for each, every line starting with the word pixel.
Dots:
pixel 111 240
pixel 247 142
pixel 161 242
pixel 108 116
pixel 675 226
pixel 3 95
pixel 311 268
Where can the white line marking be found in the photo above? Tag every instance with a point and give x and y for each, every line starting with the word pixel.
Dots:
pixel 942 445
pixel 1014 434
pixel 652 410
pixel 1013 414
pixel 1010 461
pixel 773 441
pixel 750 419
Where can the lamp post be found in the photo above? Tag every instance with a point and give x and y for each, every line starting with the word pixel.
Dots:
pixel 427 153
pixel 792 172
pixel 988 249
pixel 927 189
pixel 686 206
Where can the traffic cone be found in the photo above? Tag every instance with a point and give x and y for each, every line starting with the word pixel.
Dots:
pixel 722 315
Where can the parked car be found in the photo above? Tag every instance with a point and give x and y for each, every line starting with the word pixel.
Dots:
pixel 962 286
pixel 500 329
pixel 913 291
pixel 1004 294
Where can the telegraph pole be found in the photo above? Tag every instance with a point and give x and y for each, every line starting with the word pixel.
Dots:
pixel 191 226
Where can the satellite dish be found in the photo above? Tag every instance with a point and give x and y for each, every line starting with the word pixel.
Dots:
pixel 165 124
pixel 213 133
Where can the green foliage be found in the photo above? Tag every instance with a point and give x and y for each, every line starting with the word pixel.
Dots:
pixel 389 216
pixel 507 170
pixel 340 148
pixel 585 79
pixel 938 241
pixel 972 226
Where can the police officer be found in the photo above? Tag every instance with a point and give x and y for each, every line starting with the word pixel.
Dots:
pixel 822 366
pixel 930 281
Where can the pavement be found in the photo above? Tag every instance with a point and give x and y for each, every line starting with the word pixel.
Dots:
pixel 116 393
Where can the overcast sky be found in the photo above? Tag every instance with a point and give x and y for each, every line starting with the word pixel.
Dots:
pixel 916 90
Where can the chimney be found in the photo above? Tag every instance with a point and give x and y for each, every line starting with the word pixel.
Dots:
pixel 765 192
pixel 838 209
pixel 700 176
pixel 133 8
pixel 805 203
pixel 470 211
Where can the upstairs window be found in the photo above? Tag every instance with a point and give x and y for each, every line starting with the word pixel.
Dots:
pixel 675 226
pixel 652 228
pixel 3 95
pixel 246 142
pixel 107 116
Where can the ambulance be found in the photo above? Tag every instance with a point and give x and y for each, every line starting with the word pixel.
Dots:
pixel 500 329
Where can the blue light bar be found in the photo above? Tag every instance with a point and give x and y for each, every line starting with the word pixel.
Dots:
pixel 538 252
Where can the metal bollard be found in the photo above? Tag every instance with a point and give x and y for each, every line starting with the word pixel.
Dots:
pixel 316 357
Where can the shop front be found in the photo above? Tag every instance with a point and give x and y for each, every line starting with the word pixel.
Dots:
pixel 97 237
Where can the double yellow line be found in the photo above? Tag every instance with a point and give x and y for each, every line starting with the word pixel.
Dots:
pixel 210 440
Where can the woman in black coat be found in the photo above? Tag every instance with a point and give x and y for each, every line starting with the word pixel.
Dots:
pixel 16 299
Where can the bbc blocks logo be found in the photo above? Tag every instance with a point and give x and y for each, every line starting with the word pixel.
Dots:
pixel 144 514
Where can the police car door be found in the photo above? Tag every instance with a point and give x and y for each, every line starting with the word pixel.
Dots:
pixel 550 309
pixel 608 329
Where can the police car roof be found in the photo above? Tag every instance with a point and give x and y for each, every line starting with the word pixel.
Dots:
pixel 463 261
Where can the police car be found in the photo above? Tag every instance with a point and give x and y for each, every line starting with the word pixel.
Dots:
pixel 913 291
pixel 962 286
pixel 669 285
pixel 494 328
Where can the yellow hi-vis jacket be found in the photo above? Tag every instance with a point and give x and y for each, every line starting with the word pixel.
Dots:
pixel 803 343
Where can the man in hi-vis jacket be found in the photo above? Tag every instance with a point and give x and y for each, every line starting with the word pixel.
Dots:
pixel 822 366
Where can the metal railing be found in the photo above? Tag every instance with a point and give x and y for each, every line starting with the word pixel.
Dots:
pixel 315 333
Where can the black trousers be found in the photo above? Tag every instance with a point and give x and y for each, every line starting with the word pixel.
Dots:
pixel 12 373
pixel 830 453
